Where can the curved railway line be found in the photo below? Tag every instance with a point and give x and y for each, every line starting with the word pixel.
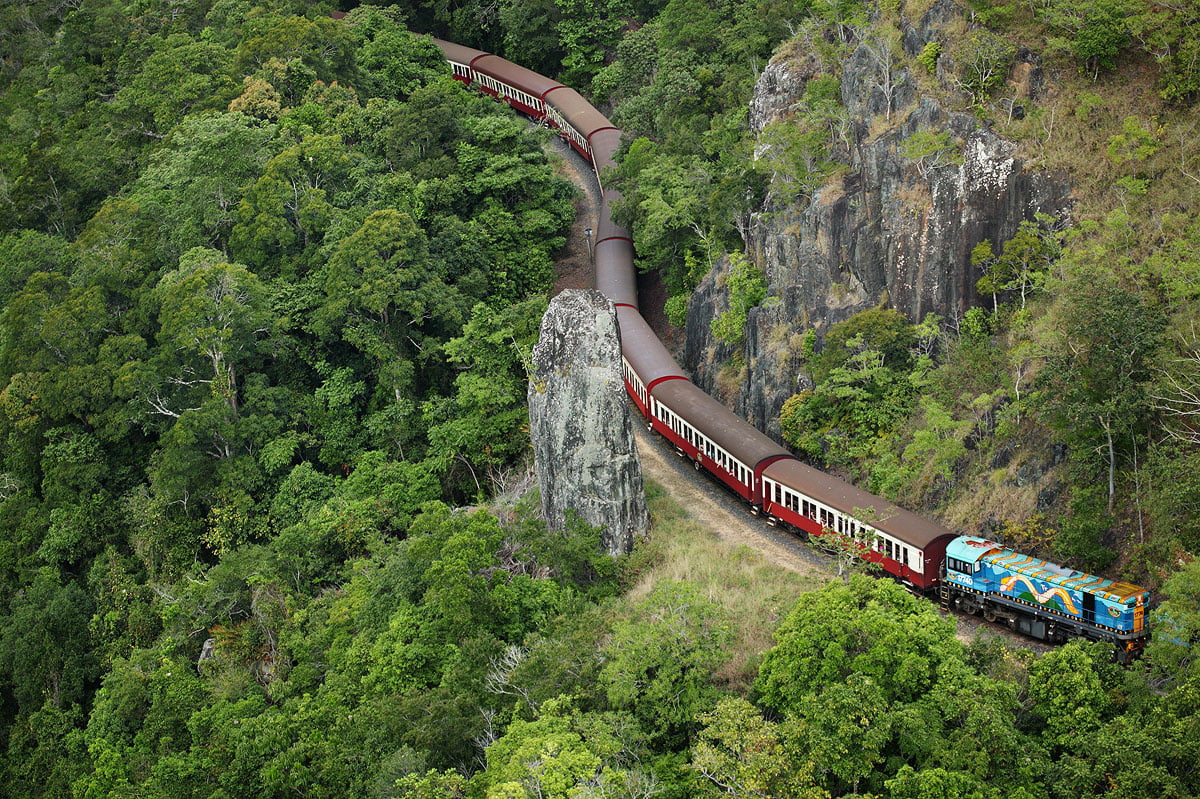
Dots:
pixel 975 575
pixel 705 502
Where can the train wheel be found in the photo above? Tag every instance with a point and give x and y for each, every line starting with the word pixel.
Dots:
pixel 970 608
pixel 989 614
pixel 696 465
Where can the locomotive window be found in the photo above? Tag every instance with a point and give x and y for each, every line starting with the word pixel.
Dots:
pixel 958 565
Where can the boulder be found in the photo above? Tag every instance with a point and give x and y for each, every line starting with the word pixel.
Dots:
pixel 584 449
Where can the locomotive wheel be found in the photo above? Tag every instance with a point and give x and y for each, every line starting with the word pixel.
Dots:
pixel 970 608
pixel 989 614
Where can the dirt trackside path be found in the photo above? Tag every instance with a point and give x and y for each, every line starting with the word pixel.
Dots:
pixel 717 510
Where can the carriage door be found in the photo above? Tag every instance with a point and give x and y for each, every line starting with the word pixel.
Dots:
pixel 1089 608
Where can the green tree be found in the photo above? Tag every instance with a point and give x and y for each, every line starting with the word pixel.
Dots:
pixel 1105 339
pixel 179 76
pixel 552 756
pixel 1165 33
pixel 1176 628
pixel 1069 696
pixel 866 627
pixel 193 185
pixel 844 731
pixel 289 207
pixel 667 213
pixel 739 753
pixel 393 62
pixel 587 31
pixel 660 661
pixel 482 426
pixel 212 309
pixel 46 654
pixel 983 59
pixel 1094 32
pixel 747 288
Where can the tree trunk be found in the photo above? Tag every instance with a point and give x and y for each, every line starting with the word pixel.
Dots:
pixel 1112 462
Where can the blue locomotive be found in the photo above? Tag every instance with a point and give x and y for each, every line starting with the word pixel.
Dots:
pixel 1042 599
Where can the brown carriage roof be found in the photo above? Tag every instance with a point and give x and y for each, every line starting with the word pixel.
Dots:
pixel 615 275
pixel 721 425
pixel 885 516
pixel 645 353
pixel 578 111
pixel 604 148
pixel 456 52
pixel 608 228
pixel 524 79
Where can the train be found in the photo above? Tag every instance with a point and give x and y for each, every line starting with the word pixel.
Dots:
pixel 967 573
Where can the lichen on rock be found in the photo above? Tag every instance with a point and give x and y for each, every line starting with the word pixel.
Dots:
pixel 584 449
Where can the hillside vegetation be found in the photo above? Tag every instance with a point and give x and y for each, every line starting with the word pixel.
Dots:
pixel 268 282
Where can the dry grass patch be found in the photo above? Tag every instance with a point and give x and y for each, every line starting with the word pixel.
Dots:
pixel 730 378
pixel 754 593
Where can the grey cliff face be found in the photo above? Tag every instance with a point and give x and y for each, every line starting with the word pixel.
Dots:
pixel 583 443
pixel 895 228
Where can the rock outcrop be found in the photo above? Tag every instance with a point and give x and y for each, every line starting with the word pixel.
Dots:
pixel 583 443
pixel 895 228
